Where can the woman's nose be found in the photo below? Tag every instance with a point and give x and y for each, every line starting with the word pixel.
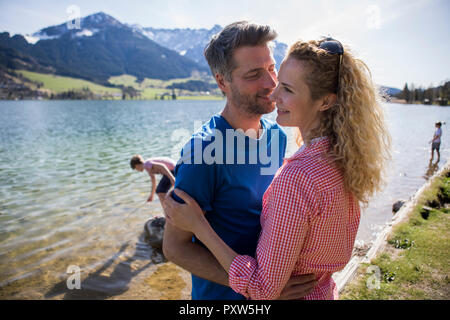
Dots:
pixel 273 95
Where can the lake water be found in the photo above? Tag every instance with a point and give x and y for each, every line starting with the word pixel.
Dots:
pixel 69 198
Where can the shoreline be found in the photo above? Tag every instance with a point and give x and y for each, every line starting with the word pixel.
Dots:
pixel 345 277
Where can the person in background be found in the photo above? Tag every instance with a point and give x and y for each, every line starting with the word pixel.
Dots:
pixel 161 165
pixel 436 141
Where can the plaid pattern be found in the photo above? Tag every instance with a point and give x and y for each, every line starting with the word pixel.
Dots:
pixel 309 224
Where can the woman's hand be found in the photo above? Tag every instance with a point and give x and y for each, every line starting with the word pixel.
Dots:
pixel 188 216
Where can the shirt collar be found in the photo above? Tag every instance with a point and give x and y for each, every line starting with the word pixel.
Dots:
pixel 316 146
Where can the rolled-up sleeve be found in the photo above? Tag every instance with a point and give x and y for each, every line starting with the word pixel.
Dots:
pixel 291 200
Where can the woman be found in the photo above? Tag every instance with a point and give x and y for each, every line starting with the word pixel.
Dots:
pixel 311 209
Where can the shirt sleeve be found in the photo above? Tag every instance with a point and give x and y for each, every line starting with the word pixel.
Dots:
pixel 291 201
pixel 195 177
pixel 148 165
pixel 283 143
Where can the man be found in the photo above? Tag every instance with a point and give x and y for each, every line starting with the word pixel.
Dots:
pixel 229 183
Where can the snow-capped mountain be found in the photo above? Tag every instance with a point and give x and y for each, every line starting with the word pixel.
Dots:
pixel 96 48
pixel 85 27
pixel 191 42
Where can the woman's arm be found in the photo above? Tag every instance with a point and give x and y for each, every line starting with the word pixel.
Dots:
pixel 278 249
pixel 284 232
pixel 197 223
pixel 179 249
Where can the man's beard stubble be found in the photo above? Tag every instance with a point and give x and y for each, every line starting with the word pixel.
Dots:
pixel 250 103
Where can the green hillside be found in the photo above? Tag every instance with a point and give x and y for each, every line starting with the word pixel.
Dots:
pixel 58 84
pixel 155 88
pixel 148 89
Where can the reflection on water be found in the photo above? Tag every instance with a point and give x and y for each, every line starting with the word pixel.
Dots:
pixel 69 197
pixel 433 167
pixel 101 285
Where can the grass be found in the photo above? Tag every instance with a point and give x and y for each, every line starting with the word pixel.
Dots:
pixel 149 89
pixel 128 80
pixel 210 97
pixel 416 262
pixel 58 84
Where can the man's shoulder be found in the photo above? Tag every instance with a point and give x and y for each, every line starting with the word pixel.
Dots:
pixel 200 139
pixel 209 128
pixel 272 125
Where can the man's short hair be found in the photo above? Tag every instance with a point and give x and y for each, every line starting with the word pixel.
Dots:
pixel 135 160
pixel 219 51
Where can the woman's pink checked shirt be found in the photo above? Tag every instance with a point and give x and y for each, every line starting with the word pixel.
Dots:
pixel 309 224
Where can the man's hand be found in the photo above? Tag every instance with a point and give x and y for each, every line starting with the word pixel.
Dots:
pixel 298 286
pixel 150 199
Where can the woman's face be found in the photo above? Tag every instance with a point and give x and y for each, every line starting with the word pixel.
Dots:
pixel 293 98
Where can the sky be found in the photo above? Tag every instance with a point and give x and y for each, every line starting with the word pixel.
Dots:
pixel 400 40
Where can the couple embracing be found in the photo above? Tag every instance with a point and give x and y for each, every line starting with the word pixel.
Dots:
pixel 245 231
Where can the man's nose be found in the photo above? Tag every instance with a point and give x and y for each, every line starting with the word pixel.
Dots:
pixel 270 81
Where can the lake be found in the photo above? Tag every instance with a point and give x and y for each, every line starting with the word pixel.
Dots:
pixel 68 196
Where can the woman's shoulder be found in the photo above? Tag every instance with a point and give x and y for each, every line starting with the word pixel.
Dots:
pixel 294 173
pixel 318 171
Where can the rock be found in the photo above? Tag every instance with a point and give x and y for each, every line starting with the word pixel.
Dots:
pixel 154 232
pixel 443 197
pixel 425 212
pixel 433 203
pixel 396 206
pixel 360 249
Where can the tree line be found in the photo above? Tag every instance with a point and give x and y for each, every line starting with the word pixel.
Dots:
pixel 439 95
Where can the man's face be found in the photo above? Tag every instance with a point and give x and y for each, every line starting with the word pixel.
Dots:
pixel 253 80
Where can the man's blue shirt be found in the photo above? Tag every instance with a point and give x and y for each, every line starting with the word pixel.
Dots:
pixel 227 176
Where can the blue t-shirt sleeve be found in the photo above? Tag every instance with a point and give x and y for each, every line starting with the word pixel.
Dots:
pixel 197 180
pixel 283 144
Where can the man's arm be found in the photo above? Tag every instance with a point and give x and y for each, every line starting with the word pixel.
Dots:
pixel 179 248
pixel 153 188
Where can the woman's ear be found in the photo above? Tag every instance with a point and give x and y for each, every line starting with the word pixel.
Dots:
pixel 328 101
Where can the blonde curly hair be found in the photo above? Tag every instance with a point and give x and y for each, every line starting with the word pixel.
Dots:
pixel 355 126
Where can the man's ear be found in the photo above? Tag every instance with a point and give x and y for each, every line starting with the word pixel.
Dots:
pixel 328 101
pixel 221 83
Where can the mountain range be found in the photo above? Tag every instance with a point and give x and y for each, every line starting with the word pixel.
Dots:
pixel 190 43
pixel 101 47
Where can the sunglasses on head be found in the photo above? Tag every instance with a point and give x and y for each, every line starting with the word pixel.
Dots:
pixel 333 46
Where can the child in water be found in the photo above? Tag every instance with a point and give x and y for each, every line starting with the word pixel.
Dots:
pixel 436 141
pixel 160 165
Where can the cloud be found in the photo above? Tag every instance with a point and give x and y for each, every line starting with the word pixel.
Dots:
pixel 373 14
